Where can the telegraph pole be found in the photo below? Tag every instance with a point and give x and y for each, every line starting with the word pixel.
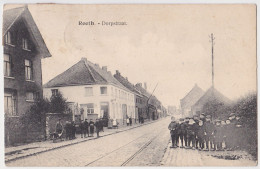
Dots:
pixel 212 54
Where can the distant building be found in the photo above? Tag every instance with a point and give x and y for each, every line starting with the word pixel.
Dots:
pixel 172 110
pixel 210 95
pixel 190 99
pixel 24 48
pixel 95 90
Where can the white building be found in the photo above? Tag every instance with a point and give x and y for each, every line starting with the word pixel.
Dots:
pixel 97 93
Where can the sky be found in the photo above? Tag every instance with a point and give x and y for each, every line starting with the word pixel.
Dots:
pixel 164 44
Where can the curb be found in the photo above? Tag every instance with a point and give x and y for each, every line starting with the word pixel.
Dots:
pixel 62 146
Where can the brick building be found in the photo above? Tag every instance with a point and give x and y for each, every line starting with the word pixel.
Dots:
pixel 24 48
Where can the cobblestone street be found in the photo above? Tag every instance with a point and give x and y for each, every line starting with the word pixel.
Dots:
pixel 126 148
pixel 147 145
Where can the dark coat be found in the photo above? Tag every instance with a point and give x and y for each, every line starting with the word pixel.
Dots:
pixel 173 128
pixel 209 128
pixel 91 126
pixel 183 128
pixel 85 125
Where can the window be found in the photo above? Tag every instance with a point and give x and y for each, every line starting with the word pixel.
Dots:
pixel 8 38
pixel 103 90
pixel 7 65
pixel 88 91
pixel 90 108
pixel 54 92
pixel 28 69
pixel 32 96
pixel 10 104
pixel 25 44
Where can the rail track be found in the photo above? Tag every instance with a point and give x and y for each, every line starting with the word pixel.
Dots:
pixel 129 159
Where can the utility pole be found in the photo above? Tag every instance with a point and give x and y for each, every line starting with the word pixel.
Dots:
pixel 212 54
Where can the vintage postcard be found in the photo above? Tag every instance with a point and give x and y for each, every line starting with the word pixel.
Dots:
pixel 130 85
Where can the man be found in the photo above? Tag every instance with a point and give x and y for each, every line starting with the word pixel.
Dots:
pixel 85 128
pixel 81 127
pixel 67 130
pixel 73 129
pixel 208 132
pixel 183 132
pixel 191 133
pixel 130 121
pixel 172 127
pixel 59 128
pixel 98 127
pixel 91 127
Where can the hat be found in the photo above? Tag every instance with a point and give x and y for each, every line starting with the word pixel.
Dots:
pixel 191 121
pixel 203 114
pixel 232 114
pixel 181 119
pixel 208 116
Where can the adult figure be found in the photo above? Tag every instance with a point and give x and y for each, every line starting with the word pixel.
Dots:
pixel 85 127
pixel 91 127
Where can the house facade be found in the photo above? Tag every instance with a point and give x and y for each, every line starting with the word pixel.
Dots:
pixel 210 95
pixel 24 48
pixel 138 98
pixel 190 99
pixel 97 93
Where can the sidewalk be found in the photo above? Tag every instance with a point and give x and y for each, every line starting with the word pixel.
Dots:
pixel 14 153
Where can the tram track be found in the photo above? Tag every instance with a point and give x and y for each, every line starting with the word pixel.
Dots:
pixel 129 159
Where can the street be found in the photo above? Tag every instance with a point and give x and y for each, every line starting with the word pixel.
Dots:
pixel 147 145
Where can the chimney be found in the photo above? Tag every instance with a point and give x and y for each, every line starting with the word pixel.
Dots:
pixel 145 86
pixel 139 84
pixel 117 72
pixel 126 78
pixel 104 68
pixel 96 64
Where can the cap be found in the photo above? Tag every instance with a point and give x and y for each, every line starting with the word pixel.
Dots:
pixel 191 121
pixel 232 114
pixel 208 116
pixel 203 114
pixel 181 119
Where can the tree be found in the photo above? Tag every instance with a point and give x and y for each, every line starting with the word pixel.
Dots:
pixel 58 103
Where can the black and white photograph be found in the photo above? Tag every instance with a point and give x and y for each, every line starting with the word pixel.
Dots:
pixel 140 85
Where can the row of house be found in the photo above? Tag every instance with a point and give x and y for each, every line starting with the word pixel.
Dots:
pixel 99 94
pixel 193 103
pixel 93 90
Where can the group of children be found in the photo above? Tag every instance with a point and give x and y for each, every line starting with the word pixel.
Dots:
pixel 202 133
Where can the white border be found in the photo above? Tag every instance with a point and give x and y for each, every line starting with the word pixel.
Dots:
pixel 2 164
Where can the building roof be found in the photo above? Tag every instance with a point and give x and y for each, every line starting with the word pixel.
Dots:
pixel 192 97
pixel 212 94
pixel 142 90
pixel 11 16
pixel 124 81
pixel 83 73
